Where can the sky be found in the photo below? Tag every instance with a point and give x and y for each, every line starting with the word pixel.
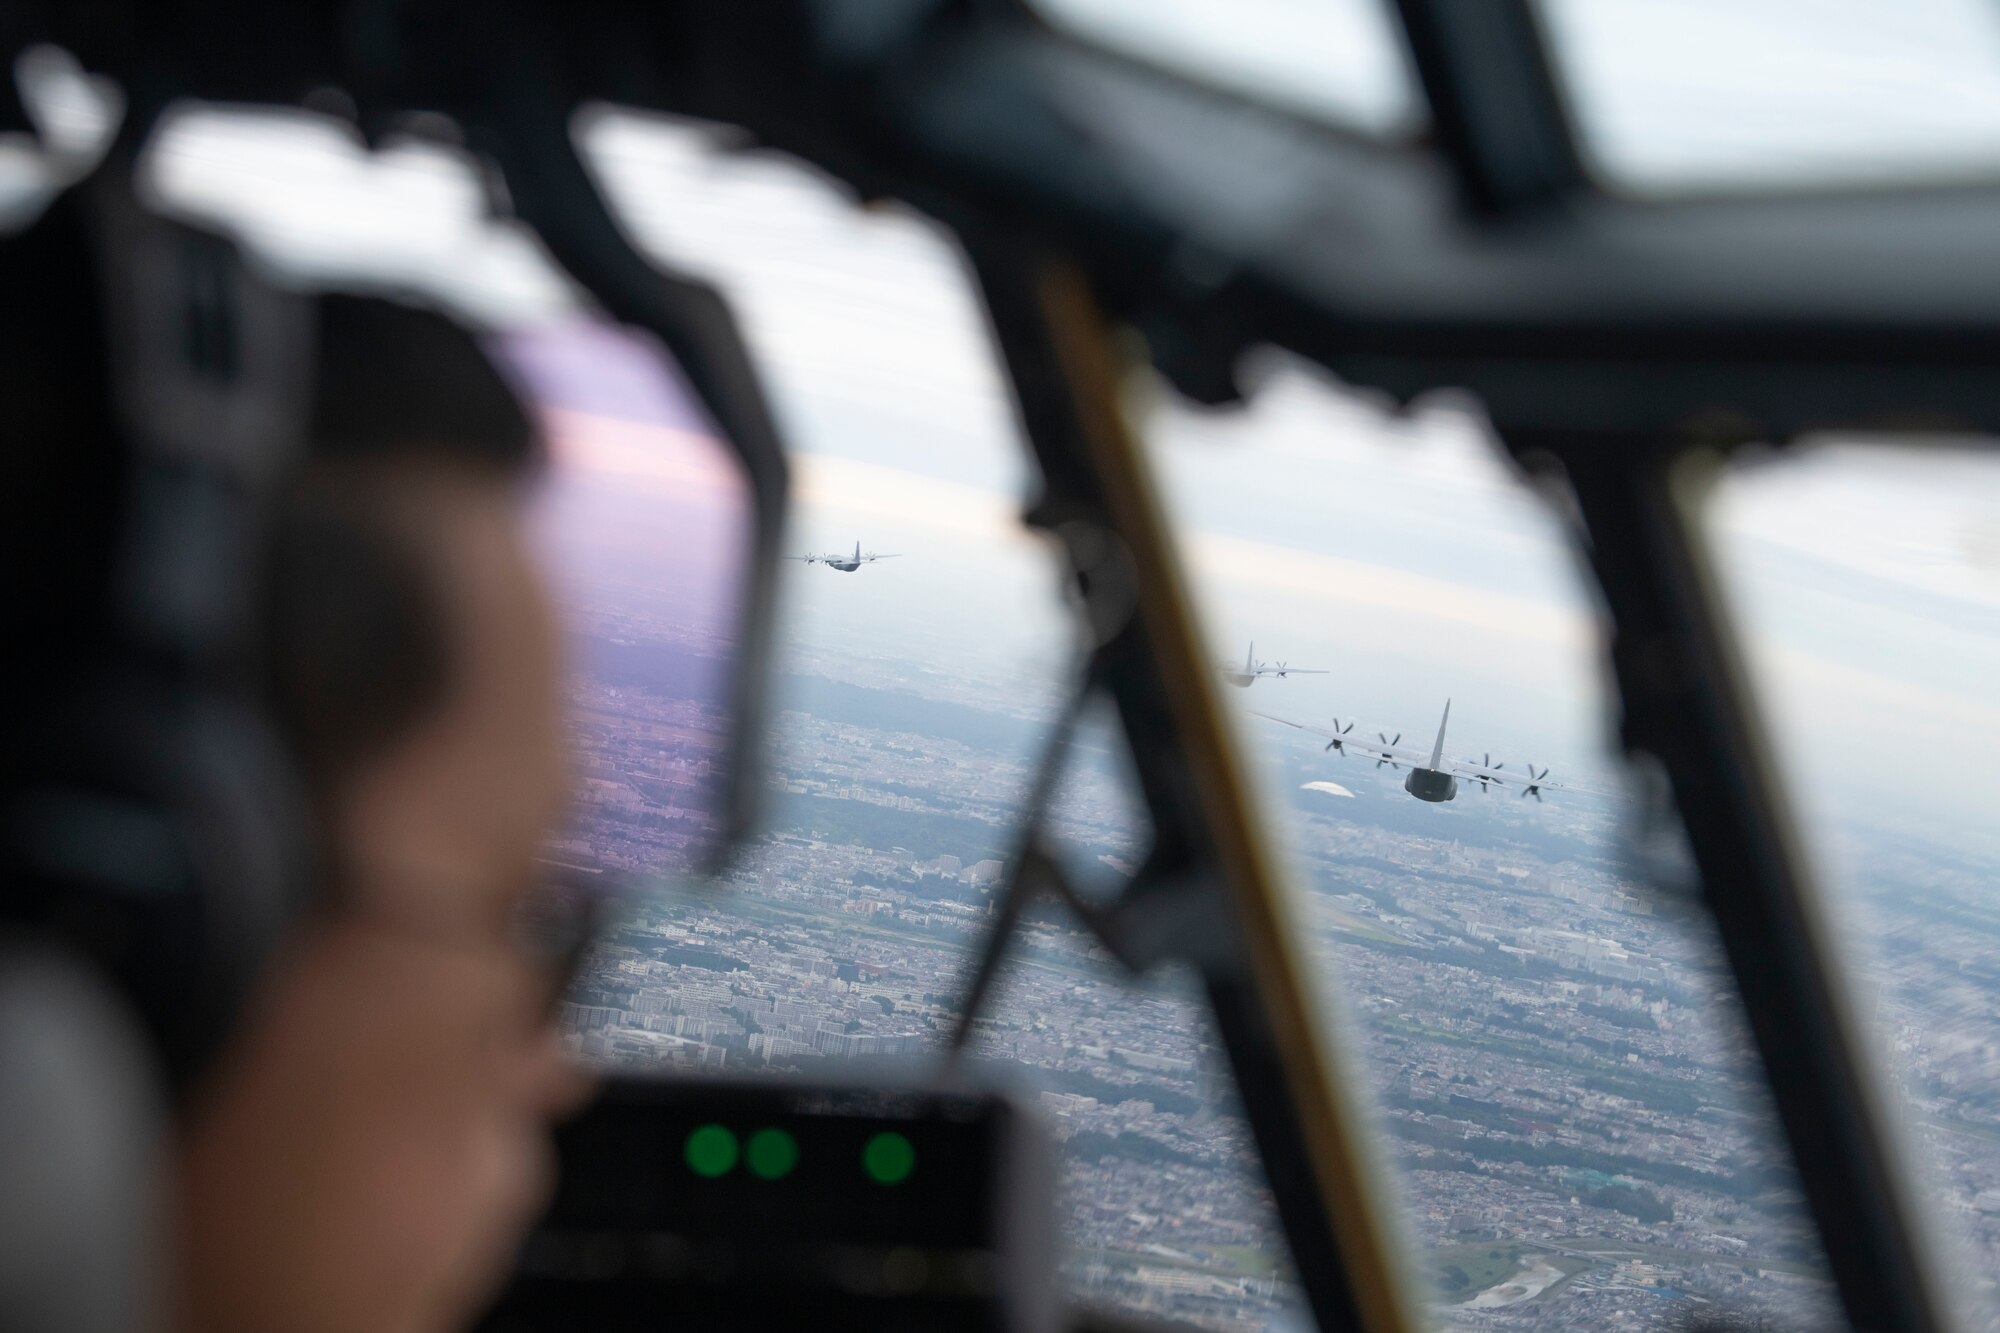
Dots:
pixel 639 490
pixel 1867 585
pixel 1724 94
pixel 1668 95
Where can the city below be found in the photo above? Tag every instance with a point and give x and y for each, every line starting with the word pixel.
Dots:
pixel 1556 1052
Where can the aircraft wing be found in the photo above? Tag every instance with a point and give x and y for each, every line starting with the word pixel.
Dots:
pixel 809 559
pixel 1502 777
pixel 1516 778
pixel 1370 747
pixel 1268 670
pixel 889 556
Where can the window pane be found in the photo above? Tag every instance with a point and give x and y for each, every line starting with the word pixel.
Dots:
pixel 1758 94
pixel 1340 60
pixel 912 694
pixel 1553 1037
pixel 1866 585
pixel 915 694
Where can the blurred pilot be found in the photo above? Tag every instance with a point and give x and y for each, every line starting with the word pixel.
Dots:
pixel 371 1145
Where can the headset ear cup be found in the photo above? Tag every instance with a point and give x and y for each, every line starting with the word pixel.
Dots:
pixel 251 847
pixel 80 1118
pixel 168 842
pixel 157 393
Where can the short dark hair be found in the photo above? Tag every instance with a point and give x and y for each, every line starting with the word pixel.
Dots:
pixel 358 645
pixel 399 381
pixel 355 645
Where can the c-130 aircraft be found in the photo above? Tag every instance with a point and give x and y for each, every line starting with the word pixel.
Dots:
pixel 1432 777
pixel 846 564
pixel 1243 677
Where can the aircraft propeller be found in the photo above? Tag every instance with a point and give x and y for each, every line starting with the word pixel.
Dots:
pixel 1486 761
pixel 1534 787
pixel 1336 743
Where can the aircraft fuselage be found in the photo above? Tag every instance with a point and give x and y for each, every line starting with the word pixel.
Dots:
pixel 1242 680
pixel 844 566
pixel 1430 784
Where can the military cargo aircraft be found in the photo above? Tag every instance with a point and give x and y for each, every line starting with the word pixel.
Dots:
pixel 846 564
pixel 1432 777
pixel 1242 677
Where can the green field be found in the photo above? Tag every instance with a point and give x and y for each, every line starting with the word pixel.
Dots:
pixel 1251 1262
pixel 1491 1263
pixel 1458 1272
pixel 1347 923
pixel 1613 1250
pixel 1231 1261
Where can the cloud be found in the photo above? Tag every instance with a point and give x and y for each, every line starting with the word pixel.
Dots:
pixel 1330 788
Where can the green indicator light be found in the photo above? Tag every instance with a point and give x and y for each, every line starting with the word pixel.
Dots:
pixel 771 1154
pixel 710 1151
pixel 888 1159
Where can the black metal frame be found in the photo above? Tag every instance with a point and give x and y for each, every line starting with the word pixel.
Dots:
pixel 1686 705
pixel 1607 336
pixel 1207 883
pixel 552 191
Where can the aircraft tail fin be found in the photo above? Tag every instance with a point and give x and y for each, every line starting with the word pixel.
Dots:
pixel 1250 657
pixel 857 552
pixel 1437 751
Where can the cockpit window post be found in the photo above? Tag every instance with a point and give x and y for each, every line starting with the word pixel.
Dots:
pixel 552 190
pixel 1686 704
pixel 1288 1066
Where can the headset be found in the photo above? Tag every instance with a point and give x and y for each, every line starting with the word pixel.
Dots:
pixel 151 821
pixel 153 838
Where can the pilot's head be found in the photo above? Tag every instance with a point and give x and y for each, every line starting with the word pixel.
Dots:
pixel 413 663
pixel 369 1147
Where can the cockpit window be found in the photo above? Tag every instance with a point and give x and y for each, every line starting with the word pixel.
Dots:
pixel 1341 61
pixel 1744 95
pixel 1865 581
pixel 913 692
pixel 1553 1038
pixel 916 690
